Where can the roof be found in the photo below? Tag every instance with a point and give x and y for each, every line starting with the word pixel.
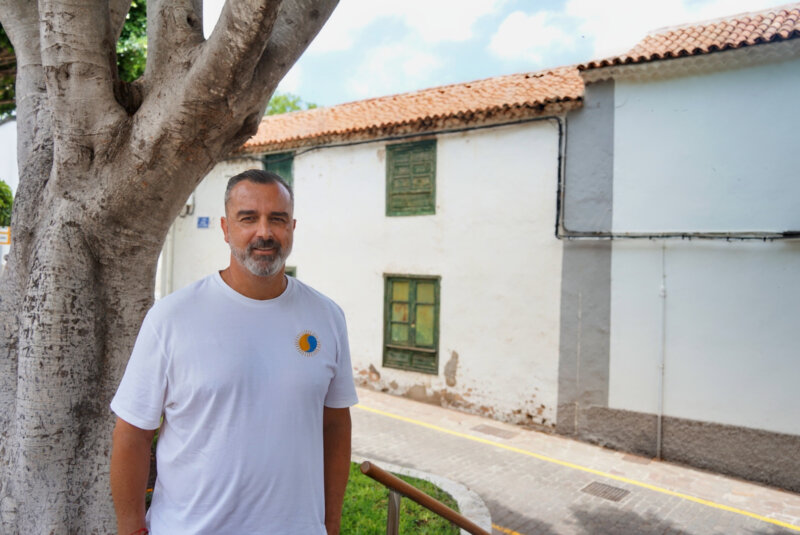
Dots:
pixel 738 31
pixel 493 100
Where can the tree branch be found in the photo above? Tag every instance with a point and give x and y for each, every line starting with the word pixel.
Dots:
pixel 174 33
pixel 78 56
pixel 34 132
pixel 118 10
pixel 20 21
pixel 298 23
pixel 238 40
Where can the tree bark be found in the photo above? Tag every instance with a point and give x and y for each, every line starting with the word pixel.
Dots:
pixel 104 169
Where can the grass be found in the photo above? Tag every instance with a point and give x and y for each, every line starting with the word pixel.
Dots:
pixel 365 507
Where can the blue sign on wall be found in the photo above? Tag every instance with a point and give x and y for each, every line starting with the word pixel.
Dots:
pixel 202 222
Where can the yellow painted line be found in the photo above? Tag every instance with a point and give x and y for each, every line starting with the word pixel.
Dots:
pixel 506 530
pixel 586 469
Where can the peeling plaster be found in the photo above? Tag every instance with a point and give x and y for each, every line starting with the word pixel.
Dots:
pixel 374 374
pixel 450 369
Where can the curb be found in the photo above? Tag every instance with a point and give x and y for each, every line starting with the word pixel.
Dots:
pixel 469 503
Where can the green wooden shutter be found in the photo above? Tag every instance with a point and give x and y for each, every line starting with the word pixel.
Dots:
pixel 411 331
pixel 280 164
pixel 411 178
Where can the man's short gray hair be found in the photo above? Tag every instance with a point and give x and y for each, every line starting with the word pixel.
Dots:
pixel 259 176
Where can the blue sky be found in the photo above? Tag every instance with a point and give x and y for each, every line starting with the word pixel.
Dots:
pixel 371 48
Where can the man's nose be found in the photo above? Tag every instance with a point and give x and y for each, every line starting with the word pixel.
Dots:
pixel 263 230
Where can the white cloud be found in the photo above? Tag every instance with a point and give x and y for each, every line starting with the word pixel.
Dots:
pixel 445 20
pixel 211 11
pixel 430 21
pixel 339 33
pixel 392 69
pixel 616 26
pixel 529 37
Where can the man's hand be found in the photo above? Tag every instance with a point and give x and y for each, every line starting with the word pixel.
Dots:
pixel 336 443
pixel 130 468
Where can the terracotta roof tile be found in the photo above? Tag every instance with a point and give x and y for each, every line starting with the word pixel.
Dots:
pixel 738 31
pixel 482 101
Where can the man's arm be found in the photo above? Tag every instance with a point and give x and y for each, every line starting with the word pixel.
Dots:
pixel 336 443
pixel 130 468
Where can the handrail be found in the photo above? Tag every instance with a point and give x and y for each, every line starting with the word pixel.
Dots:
pixel 396 484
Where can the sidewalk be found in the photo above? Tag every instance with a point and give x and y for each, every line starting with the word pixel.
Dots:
pixel 536 483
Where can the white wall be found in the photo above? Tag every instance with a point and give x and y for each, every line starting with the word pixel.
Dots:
pixel 712 153
pixel 491 242
pixel 731 352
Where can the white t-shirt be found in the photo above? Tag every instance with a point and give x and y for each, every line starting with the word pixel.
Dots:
pixel 241 384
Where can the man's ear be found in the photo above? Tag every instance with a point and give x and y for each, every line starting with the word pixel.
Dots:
pixel 224 224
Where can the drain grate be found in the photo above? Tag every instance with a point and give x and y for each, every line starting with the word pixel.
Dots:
pixel 496 431
pixel 601 490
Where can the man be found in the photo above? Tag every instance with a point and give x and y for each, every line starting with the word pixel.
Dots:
pixel 251 372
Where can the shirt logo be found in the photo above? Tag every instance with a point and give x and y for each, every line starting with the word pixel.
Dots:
pixel 307 343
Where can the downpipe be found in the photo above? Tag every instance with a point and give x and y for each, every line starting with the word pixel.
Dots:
pixel 662 353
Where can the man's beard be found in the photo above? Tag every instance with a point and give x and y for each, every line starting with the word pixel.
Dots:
pixel 262 265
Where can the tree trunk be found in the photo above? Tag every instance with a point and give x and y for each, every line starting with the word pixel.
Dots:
pixel 104 169
pixel 77 323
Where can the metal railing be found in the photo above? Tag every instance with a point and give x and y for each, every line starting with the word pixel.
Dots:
pixel 399 489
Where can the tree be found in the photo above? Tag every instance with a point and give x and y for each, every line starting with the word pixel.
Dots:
pixel 286 102
pixel 131 54
pixel 105 167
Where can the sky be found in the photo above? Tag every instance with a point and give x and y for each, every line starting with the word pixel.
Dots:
pixel 371 48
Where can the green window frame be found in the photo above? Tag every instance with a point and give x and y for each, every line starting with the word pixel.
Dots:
pixel 280 163
pixel 411 178
pixel 411 323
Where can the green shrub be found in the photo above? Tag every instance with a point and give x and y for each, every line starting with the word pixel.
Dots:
pixel 6 200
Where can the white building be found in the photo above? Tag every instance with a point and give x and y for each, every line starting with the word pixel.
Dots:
pixel 612 264
pixel 680 290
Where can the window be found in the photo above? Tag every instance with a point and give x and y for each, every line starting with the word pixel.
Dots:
pixel 411 178
pixel 280 164
pixel 411 326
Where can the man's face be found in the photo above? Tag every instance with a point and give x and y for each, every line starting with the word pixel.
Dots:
pixel 258 225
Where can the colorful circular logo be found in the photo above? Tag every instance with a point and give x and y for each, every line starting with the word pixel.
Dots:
pixel 307 343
